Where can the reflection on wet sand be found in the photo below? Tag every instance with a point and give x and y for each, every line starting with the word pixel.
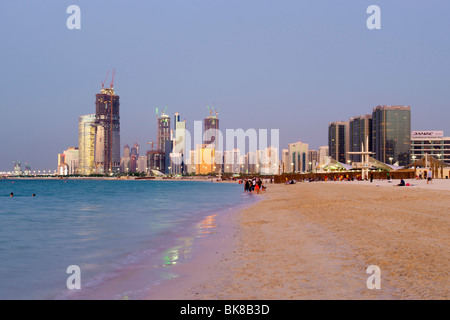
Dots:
pixel 207 224
pixel 182 251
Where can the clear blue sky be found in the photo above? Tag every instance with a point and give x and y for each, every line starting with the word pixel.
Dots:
pixel 293 65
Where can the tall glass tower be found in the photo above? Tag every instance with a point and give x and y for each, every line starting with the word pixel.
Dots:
pixel 338 140
pixel 86 144
pixel 360 128
pixel 391 134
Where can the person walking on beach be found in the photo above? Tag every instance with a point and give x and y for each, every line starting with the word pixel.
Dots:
pixel 371 177
pixel 429 176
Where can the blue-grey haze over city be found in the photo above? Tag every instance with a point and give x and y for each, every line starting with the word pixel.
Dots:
pixel 288 65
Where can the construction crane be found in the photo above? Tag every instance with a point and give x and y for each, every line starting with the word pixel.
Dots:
pixel 103 82
pixel 112 80
pixel 212 112
pixel 163 112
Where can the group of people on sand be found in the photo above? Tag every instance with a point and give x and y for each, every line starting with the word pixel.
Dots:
pixel 428 174
pixel 253 185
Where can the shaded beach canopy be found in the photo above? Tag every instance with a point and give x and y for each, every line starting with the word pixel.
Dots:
pixel 429 162
pixel 157 173
pixel 376 164
pixel 333 165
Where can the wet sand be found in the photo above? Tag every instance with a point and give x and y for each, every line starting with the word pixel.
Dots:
pixel 315 241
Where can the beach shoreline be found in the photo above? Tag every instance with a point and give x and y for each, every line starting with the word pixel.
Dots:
pixel 315 241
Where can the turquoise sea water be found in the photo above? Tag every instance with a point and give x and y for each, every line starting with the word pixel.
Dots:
pixel 108 228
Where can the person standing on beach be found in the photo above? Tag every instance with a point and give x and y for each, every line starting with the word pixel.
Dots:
pixel 371 177
pixel 429 176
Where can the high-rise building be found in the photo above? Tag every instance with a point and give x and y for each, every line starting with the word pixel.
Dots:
pixel 107 146
pixel 156 161
pixel 142 164
pixel 134 154
pixel 232 161
pixel 204 159
pixel 338 140
pixel 391 134
pixel 323 154
pixel 360 128
pixel 179 146
pixel 286 163
pixel 163 124
pixel 61 159
pixel 211 129
pixel 432 143
pixel 72 156
pixel 190 165
pixel 250 161
pixel 268 161
pixel 313 159
pixel 299 156
pixel 125 160
pixel 86 144
pixel 134 151
pixel 126 151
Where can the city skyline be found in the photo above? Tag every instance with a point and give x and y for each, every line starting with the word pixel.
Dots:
pixel 283 66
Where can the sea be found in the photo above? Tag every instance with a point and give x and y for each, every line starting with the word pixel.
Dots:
pixel 96 233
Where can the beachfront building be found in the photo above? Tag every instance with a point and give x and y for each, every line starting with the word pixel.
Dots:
pixel 313 160
pixel 190 162
pixel 232 161
pixel 299 156
pixel 176 163
pixel 163 131
pixel 431 143
pixel 17 168
pixel 204 159
pixel 323 154
pixel 63 169
pixel 125 160
pixel 268 162
pixel 86 144
pixel 156 162
pixel 338 140
pixel 141 164
pixel 285 161
pixel 211 129
pixel 250 162
pixel 71 158
pixel 359 129
pixel 391 134
pixel 179 145
pixel 107 140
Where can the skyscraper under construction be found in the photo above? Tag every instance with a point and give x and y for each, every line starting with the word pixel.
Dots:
pixel 211 128
pixel 163 122
pixel 107 120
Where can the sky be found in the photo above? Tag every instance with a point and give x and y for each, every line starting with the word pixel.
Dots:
pixel 288 65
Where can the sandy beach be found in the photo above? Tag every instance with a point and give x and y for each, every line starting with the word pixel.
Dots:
pixel 315 241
